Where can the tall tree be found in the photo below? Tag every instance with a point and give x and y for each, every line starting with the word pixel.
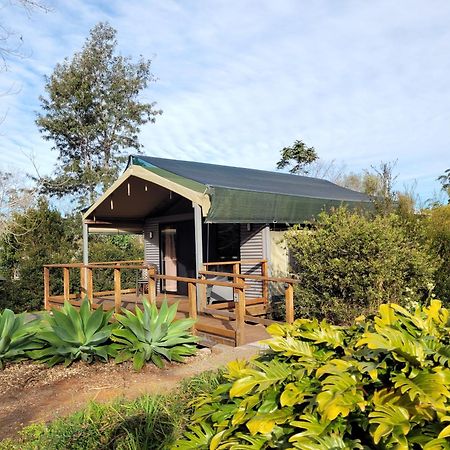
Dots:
pixel 298 156
pixel 92 113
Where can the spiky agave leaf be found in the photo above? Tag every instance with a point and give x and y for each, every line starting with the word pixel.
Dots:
pixel 73 334
pixel 17 337
pixel 152 335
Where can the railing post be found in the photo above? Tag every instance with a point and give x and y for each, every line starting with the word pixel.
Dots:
pixel 83 290
pixel 202 293
pixel 117 290
pixel 46 288
pixel 265 283
pixel 151 286
pixel 236 270
pixel 66 283
pixel 89 285
pixel 289 298
pixel 240 313
pixel 192 295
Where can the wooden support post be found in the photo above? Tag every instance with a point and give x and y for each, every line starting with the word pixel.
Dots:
pixel 265 283
pixel 66 283
pixel 46 288
pixel 192 295
pixel 289 297
pixel 89 285
pixel 151 287
pixel 83 290
pixel 240 313
pixel 117 290
pixel 236 270
pixel 202 293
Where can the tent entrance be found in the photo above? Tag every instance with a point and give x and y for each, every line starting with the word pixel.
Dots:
pixel 177 255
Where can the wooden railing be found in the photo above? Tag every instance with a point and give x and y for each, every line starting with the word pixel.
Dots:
pixel 196 289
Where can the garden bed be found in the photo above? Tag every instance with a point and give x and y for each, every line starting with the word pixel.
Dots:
pixel 32 392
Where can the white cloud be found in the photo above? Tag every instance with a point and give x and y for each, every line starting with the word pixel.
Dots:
pixel 361 81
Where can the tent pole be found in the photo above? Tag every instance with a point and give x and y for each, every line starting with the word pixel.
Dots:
pixel 198 233
pixel 198 237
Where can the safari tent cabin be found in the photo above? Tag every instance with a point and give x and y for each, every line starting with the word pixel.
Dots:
pixel 192 214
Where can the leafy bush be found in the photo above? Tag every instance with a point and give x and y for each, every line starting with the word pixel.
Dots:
pixel 438 231
pixel 349 264
pixel 150 422
pixel 16 336
pixel 150 335
pixel 72 335
pixel 383 383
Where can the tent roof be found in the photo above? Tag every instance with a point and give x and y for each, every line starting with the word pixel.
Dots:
pixel 249 195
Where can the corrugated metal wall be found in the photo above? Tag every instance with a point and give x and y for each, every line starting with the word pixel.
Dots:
pixel 252 247
pixel 151 246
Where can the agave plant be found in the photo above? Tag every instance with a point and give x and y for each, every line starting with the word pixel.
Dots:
pixel 72 335
pixel 152 335
pixel 16 336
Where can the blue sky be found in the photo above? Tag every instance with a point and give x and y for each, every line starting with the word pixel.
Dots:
pixel 361 81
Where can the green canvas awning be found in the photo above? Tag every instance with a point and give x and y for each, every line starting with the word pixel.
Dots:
pixel 239 195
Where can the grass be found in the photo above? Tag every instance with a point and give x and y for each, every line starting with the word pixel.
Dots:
pixel 149 422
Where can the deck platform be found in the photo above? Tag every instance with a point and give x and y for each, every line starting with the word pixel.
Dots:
pixel 212 328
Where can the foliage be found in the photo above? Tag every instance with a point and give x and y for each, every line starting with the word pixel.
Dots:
pixel 150 422
pixel 72 335
pixel 438 232
pixel 150 335
pixel 299 156
pixel 349 264
pixel 36 236
pixel 445 181
pixel 41 235
pixel 16 336
pixel 384 383
pixel 92 112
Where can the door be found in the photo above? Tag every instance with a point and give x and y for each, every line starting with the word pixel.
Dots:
pixel 178 254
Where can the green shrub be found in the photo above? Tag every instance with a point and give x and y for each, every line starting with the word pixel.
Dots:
pixel 149 422
pixel 349 264
pixel 383 383
pixel 150 335
pixel 438 231
pixel 73 334
pixel 16 336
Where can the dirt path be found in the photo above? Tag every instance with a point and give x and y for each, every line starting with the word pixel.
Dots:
pixel 32 393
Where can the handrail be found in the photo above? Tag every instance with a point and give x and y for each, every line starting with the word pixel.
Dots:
pixel 229 263
pixel 250 276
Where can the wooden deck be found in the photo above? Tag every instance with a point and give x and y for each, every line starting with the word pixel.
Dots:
pixel 238 321
pixel 210 327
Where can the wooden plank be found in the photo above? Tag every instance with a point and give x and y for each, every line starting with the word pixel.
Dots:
pixel 289 297
pixel 219 331
pixel 240 315
pixel 192 296
pixel 197 281
pixel 228 263
pixel 231 305
pixel 250 276
pixel 232 316
pixel 46 288
pixel 117 290
pixel 66 283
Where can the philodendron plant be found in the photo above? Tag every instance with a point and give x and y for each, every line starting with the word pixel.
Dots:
pixel 17 336
pixel 72 335
pixel 383 383
pixel 152 335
